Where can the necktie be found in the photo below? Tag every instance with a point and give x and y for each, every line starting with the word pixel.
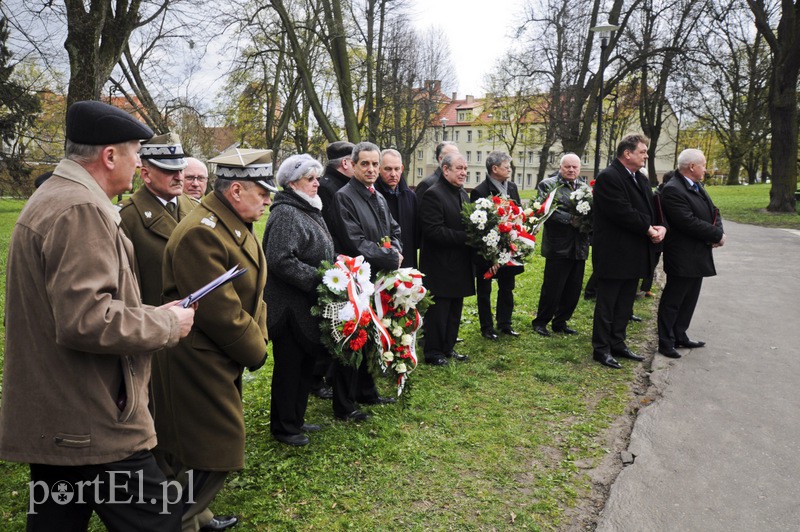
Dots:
pixel 371 189
pixel 696 187
pixel 171 209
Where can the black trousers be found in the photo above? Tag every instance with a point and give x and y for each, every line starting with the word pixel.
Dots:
pixel 612 311
pixel 676 308
pixel 441 325
pixel 352 385
pixel 561 291
pixel 129 495
pixel 292 378
pixel 506 282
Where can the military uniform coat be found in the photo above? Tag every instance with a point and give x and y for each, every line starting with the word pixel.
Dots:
pixel 148 224
pixel 77 336
pixel 203 425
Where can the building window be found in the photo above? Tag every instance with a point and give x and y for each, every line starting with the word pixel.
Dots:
pixel 464 116
pixel 468 176
pixel 552 158
pixel 479 156
pixel 480 134
pixel 419 172
pixel 469 156
pixel 585 158
pixel 420 155
pixel 529 179
pixel 436 136
pixel 456 135
pixel 530 157
pixel 469 135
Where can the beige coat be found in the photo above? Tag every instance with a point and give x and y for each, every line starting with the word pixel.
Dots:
pixel 148 224
pixel 202 422
pixel 77 336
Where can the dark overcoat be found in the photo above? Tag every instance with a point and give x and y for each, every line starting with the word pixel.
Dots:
pixel 361 225
pixel 330 183
pixel 623 213
pixel 561 239
pixel 203 425
pixel 295 243
pixel 148 224
pixel 445 257
pixel 403 207
pixel 433 179
pixel 694 224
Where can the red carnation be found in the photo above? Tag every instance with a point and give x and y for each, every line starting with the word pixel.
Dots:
pixel 592 182
pixel 504 227
pixel 501 211
pixel 364 321
pixel 385 297
pixel 496 200
pixel 349 327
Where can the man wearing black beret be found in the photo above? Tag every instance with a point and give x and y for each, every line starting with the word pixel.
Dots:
pixel 78 341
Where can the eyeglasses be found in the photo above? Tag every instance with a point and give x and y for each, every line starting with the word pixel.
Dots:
pixel 197 178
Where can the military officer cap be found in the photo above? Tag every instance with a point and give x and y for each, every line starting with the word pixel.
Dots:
pixel 339 149
pixel 98 124
pixel 164 151
pixel 246 165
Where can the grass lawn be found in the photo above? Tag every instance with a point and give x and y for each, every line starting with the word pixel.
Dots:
pixel 502 441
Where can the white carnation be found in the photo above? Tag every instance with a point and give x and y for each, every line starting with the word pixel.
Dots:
pixel 583 207
pixel 347 312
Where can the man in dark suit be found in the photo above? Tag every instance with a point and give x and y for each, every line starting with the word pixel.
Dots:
pixel 402 203
pixel 565 249
pixel 443 149
pixel 695 228
pixel 624 238
pixel 446 260
pixel 497 183
pixel 363 221
pixel 337 174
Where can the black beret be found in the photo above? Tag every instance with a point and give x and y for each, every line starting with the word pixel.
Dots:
pixel 339 149
pixel 97 123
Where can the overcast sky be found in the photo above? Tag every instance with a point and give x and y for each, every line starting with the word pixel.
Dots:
pixel 479 32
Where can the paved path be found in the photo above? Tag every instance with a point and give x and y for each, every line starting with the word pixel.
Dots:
pixel 720 450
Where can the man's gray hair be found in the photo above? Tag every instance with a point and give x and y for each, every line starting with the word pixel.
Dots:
pixel 364 146
pixel 392 151
pixel 496 158
pixel 450 158
pixel 568 154
pixel 223 185
pixel 82 153
pixel 689 156
pixel 441 145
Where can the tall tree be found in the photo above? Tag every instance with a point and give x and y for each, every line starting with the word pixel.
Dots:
pixel 19 107
pixel 784 45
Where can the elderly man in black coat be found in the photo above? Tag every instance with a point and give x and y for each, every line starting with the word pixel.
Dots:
pixel 446 260
pixel 402 203
pixel 695 228
pixel 363 224
pixel 565 249
pixel 497 183
pixel 624 238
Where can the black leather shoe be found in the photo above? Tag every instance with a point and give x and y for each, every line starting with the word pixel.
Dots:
pixel 564 330
pixel 669 352
pixel 379 401
pixel 220 522
pixel 310 427
pixel 607 360
pixel 541 329
pixel 437 360
pixel 690 344
pixel 509 331
pixel 355 416
pixel 627 353
pixel 325 392
pixel 635 318
pixel 457 356
pixel 489 334
pixel 296 440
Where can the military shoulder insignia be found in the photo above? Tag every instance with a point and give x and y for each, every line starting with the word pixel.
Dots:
pixel 209 221
pixel 238 233
pixel 148 214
